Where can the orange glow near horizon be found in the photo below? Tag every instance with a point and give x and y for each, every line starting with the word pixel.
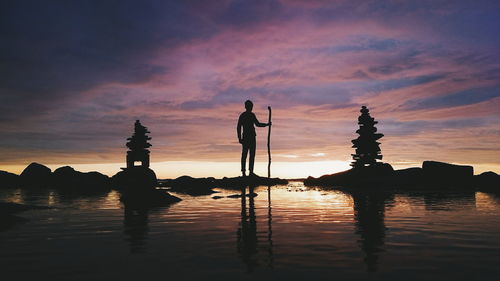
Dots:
pixel 288 170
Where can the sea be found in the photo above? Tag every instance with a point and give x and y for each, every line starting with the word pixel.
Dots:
pixel 287 232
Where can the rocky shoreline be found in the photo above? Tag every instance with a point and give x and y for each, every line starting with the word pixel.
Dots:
pixel 432 175
pixel 137 185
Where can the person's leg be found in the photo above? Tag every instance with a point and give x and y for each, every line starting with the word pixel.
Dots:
pixel 252 147
pixel 244 152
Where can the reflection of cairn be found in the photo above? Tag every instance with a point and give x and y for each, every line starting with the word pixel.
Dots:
pixel 367 147
pixel 369 215
pixel 138 145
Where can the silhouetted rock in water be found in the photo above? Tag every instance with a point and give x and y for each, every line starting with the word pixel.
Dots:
pixel 134 178
pixel 239 182
pixel 137 199
pixel 432 175
pixel 63 179
pixel 249 195
pixel 9 179
pixel 191 186
pixel 36 175
pixel 68 179
pixel 137 184
pixel 435 174
pixel 488 181
pixel 137 187
pixel 204 186
pixel 410 176
pixel 359 176
pixel 439 172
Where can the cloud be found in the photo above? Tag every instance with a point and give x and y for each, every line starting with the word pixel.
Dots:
pixel 74 77
pixel 469 96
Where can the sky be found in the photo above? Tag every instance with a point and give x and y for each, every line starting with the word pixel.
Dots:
pixel 75 75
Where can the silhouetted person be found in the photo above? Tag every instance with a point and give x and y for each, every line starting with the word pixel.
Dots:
pixel 247 120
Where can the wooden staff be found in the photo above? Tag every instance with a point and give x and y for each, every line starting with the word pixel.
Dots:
pixel 269 145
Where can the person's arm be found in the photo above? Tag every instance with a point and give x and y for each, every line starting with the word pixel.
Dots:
pixel 258 124
pixel 238 129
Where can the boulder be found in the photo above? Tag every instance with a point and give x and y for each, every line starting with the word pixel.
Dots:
pixel 96 180
pixel 136 178
pixel 190 185
pixel 381 174
pixel 8 179
pixel 204 186
pixel 447 174
pixel 149 198
pixel 137 186
pixel 69 179
pixel 487 181
pixel 36 175
pixel 239 182
pixel 409 177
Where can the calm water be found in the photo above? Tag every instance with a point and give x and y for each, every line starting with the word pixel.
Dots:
pixel 302 233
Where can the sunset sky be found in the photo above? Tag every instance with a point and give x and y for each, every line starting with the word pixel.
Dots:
pixel 76 74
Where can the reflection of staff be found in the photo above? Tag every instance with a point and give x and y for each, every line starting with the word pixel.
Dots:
pixel 269 227
pixel 269 218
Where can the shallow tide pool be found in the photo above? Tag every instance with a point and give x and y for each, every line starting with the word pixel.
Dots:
pixel 292 233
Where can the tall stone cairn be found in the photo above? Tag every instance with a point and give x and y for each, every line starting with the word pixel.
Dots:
pixel 366 145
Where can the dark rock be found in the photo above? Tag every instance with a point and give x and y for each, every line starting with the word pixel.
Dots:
pixel 191 186
pixel 204 186
pixel 36 175
pixel 8 179
pixel 68 179
pixel 363 176
pixel 432 175
pixel 239 182
pixel 137 188
pixel 134 178
pixel 96 180
pixel 487 181
pixel 250 195
pixel 448 174
pixel 149 198
pixel 409 177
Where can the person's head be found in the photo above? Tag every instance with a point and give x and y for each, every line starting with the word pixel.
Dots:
pixel 249 105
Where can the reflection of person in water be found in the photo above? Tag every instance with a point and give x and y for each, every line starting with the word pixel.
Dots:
pixel 369 212
pixel 247 120
pixel 136 228
pixel 250 250
pixel 247 232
